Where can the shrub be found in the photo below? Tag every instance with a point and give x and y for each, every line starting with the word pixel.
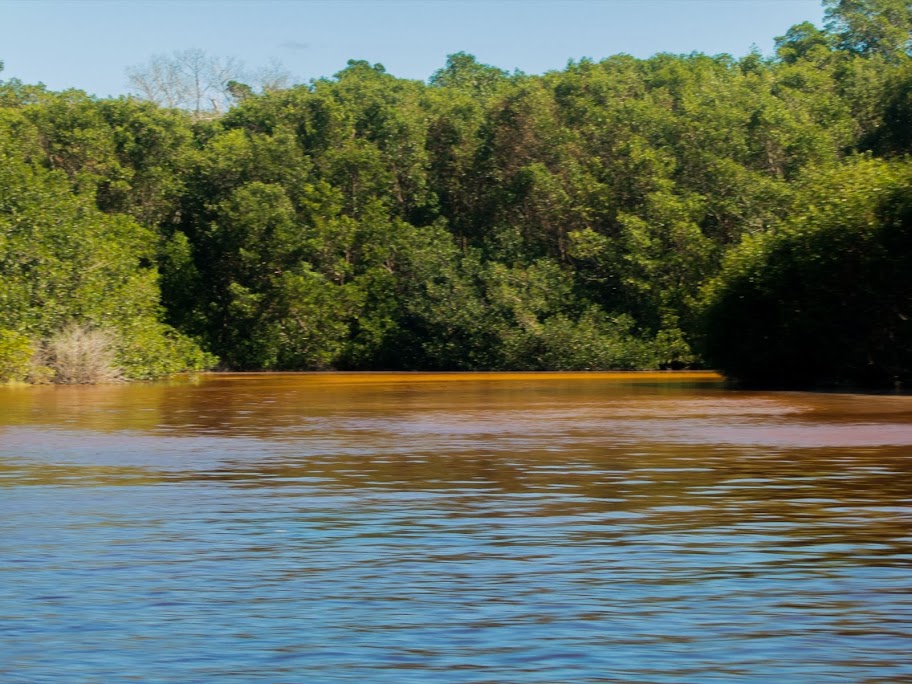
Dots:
pixel 149 349
pixel 15 355
pixel 82 356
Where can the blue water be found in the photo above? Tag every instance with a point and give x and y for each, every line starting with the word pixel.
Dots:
pixel 559 531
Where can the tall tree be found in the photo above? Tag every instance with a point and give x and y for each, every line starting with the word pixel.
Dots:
pixel 464 72
pixel 871 27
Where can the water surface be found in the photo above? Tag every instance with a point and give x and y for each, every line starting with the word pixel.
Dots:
pixel 453 528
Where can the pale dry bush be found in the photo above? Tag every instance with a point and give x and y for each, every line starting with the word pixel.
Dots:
pixel 82 356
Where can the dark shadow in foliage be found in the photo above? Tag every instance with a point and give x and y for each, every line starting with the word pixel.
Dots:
pixel 828 301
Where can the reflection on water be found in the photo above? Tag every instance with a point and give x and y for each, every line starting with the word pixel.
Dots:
pixel 453 528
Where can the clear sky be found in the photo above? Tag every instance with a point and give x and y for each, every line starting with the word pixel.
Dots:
pixel 88 44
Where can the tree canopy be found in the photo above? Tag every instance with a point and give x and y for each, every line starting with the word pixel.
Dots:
pixel 671 212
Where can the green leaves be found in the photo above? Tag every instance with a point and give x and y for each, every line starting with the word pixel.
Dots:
pixel 16 351
pixel 578 219
pixel 62 260
pixel 826 299
pixel 464 72
pixel 871 27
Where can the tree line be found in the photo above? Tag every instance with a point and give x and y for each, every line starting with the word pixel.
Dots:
pixel 748 214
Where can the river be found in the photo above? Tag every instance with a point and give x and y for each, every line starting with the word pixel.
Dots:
pixel 484 528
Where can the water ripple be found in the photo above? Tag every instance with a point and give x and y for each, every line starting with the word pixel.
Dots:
pixel 539 531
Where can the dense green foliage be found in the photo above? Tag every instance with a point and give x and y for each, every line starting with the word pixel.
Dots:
pixel 15 355
pixel 657 213
pixel 64 261
pixel 828 297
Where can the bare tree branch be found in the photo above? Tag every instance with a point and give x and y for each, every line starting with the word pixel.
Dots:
pixel 195 81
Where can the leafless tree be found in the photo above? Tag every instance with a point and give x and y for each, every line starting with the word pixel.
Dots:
pixel 204 85
pixel 274 76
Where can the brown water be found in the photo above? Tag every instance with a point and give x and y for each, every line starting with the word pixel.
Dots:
pixel 454 528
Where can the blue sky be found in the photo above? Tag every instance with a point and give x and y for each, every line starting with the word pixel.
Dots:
pixel 89 44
